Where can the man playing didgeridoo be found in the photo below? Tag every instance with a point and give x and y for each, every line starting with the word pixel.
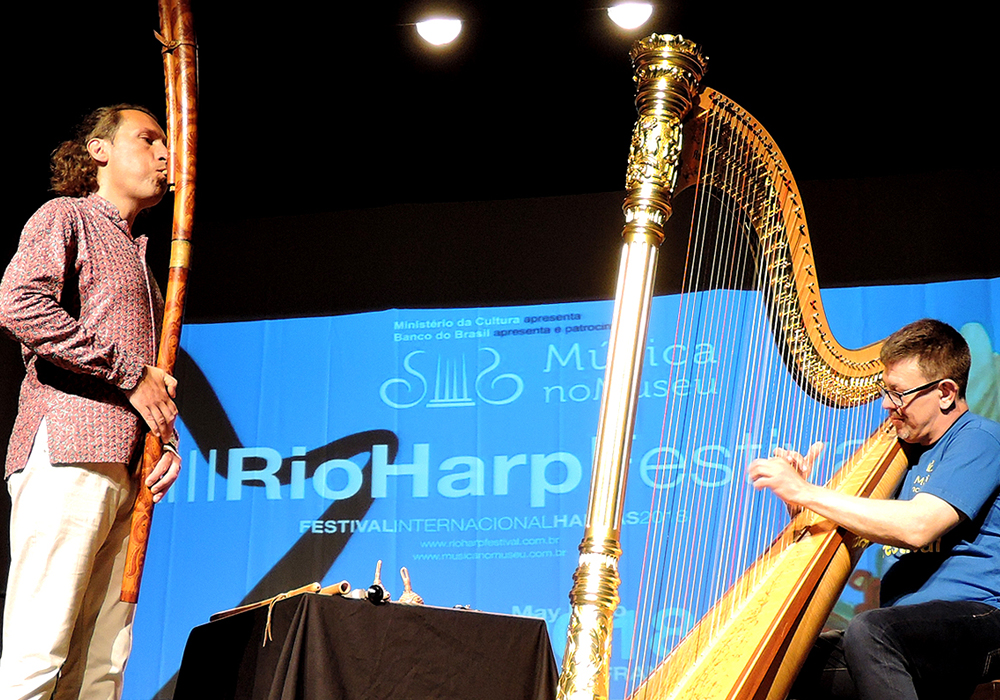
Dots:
pixel 937 634
pixel 79 298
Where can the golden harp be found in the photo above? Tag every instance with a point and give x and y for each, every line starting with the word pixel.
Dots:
pixel 752 640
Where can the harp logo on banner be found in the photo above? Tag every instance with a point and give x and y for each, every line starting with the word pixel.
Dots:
pixel 453 385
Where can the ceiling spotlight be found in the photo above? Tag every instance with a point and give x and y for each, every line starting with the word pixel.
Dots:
pixel 439 31
pixel 629 15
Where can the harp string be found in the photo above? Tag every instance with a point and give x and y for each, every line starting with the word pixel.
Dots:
pixel 732 531
pixel 677 497
pixel 726 257
pixel 681 499
pixel 731 247
pixel 658 565
pixel 735 179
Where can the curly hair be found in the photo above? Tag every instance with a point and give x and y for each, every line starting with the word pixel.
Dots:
pixel 940 350
pixel 74 172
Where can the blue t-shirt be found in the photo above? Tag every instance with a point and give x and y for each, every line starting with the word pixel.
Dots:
pixel 963 469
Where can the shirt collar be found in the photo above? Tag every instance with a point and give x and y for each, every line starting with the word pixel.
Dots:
pixel 111 212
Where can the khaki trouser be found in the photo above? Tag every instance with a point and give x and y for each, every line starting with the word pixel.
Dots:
pixel 65 633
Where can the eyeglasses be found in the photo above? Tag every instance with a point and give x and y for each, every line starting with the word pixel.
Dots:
pixel 896 397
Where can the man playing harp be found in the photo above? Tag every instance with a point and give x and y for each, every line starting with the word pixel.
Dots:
pixel 938 629
pixel 79 298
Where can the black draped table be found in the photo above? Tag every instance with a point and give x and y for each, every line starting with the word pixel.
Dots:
pixel 328 647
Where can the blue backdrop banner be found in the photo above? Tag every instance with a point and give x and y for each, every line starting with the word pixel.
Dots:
pixel 458 443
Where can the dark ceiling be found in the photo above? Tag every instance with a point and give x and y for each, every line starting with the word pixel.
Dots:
pixel 309 106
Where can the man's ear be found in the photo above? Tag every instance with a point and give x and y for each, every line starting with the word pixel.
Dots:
pixel 949 394
pixel 98 150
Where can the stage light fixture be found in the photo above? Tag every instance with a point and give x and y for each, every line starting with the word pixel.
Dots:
pixel 630 15
pixel 440 30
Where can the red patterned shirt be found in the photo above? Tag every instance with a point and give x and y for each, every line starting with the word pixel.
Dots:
pixel 79 298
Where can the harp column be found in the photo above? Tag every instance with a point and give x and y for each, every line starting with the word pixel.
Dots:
pixel 668 70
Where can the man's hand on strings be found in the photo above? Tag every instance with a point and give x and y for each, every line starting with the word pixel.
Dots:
pixel 802 464
pixel 165 473
pixel 786 474
pixel 153 398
